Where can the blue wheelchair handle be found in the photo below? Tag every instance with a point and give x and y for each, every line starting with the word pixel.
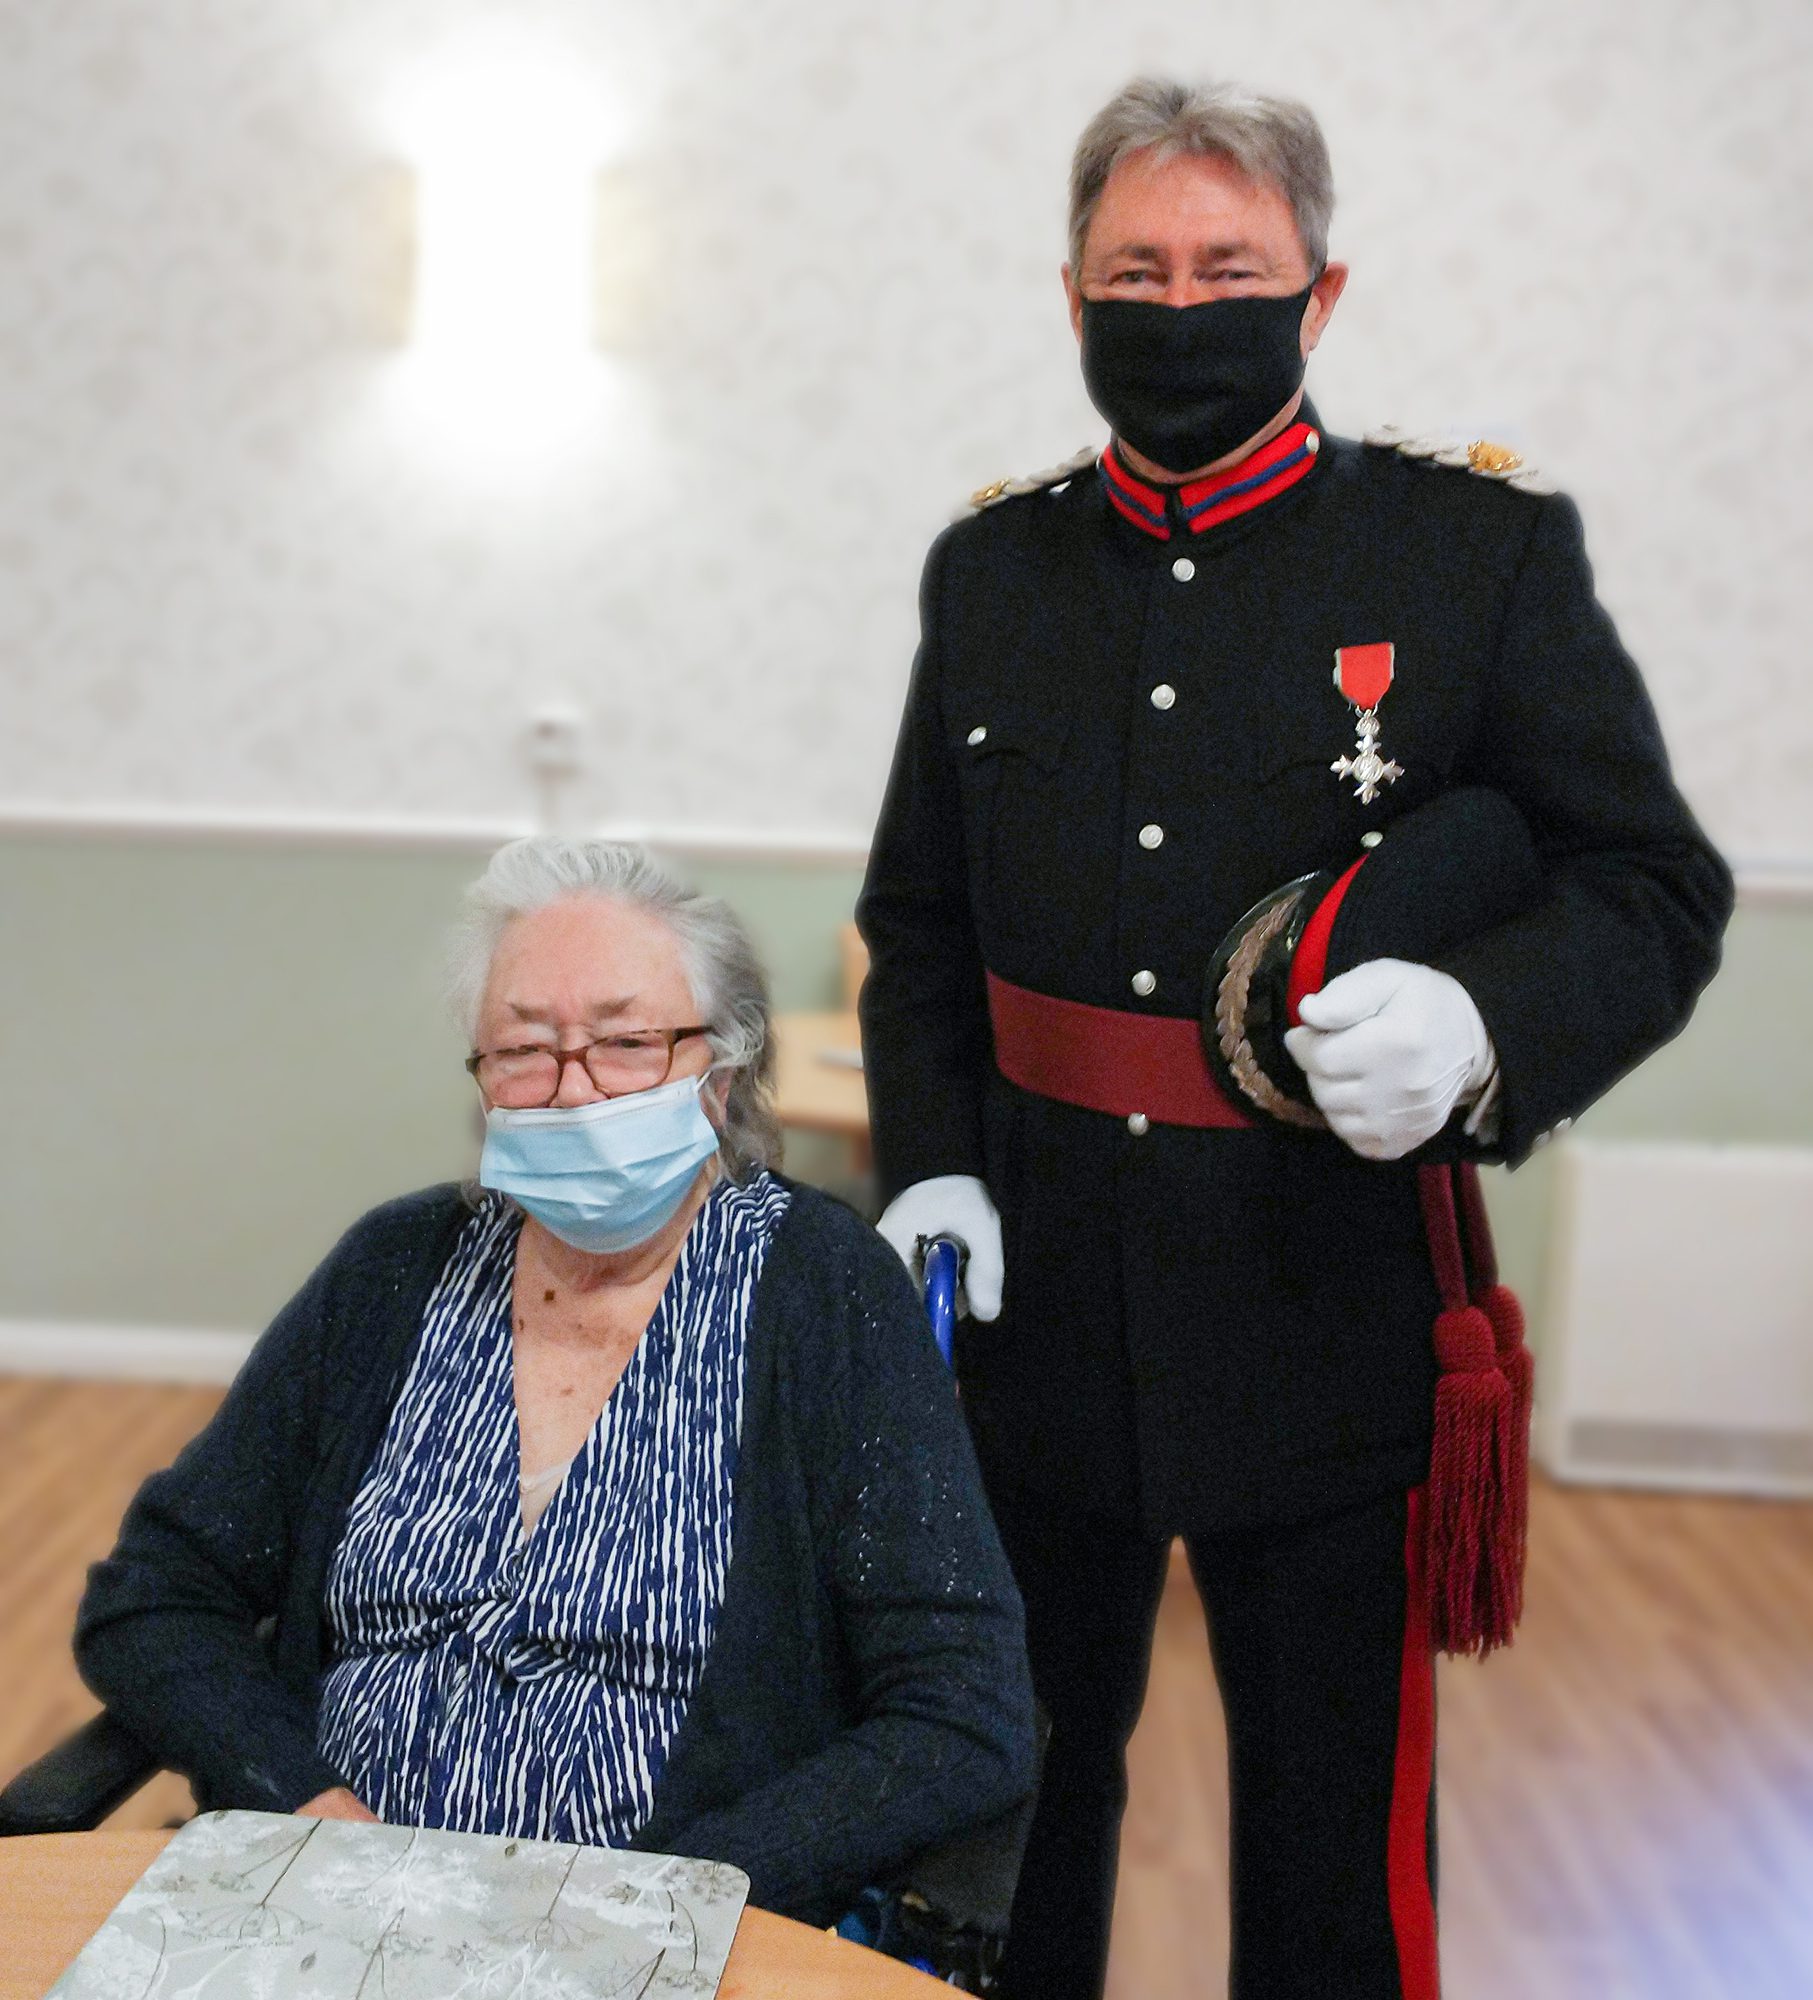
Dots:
pixel 943 1257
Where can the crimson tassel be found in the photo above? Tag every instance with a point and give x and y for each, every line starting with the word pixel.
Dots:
pixel 1474 1508
pixel 1503 1308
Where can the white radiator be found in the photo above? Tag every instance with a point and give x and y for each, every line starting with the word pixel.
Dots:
pixel 1678 1349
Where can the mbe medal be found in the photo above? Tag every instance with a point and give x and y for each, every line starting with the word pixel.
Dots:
pixel 1363 673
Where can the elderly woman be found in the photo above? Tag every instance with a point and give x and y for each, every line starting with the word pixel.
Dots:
pixel 620 1499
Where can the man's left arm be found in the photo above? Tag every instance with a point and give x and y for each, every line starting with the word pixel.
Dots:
pixel 1606 967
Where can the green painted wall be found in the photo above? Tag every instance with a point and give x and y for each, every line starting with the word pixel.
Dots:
pixel 216 1055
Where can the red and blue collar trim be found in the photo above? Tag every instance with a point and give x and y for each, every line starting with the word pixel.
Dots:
pixel 1223 496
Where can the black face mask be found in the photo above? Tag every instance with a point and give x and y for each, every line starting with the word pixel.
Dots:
pixel 1186 385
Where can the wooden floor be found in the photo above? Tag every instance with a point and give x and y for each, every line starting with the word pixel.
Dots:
pixel 1627 1802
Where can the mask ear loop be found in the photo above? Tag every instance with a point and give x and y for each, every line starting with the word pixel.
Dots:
pixel 714 1100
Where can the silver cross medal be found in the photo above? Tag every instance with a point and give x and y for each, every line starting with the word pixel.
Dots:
pixel 1363 674
pixel 1368 769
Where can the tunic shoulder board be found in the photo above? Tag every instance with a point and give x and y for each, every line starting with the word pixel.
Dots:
pixel 1490 461
pixel 1034 482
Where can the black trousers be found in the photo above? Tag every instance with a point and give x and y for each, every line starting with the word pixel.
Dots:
pixel 1327 1684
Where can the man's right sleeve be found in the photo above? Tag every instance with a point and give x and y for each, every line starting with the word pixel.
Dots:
pixel 925 1034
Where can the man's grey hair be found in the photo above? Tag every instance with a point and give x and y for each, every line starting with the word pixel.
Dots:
pixel 729 986
pixel 1270 139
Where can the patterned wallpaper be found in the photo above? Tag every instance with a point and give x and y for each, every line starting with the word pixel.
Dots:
pixel 242 570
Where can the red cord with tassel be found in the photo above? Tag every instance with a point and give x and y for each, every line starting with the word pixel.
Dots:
pixel 1476 1508
pixel 1503 1308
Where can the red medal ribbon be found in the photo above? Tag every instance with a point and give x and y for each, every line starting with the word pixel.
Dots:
pixel 1363 673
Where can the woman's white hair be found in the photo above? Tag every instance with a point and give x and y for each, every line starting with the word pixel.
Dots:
pixel 1270 139
pixel 728 983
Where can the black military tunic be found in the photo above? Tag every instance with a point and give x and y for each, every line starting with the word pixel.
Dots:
pixel 1118 737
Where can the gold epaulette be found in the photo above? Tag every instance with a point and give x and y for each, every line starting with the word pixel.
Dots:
pixel 1034 482
pixel 1489 460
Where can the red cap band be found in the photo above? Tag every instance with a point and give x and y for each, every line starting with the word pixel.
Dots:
pixel 1310 959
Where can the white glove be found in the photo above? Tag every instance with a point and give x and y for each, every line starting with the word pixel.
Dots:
pixel 1390 1049
pixel 951 1205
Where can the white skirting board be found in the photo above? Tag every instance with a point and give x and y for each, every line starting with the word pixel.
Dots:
pixel 1679 1335
pixel 87 1352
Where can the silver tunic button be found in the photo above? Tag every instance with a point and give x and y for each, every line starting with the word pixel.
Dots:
pixel 1371 839
pixel 1151 836
pixel 1183 569
pixel 1144 983
pixel 977 735
pixel 1139 1124
pixel 1163 695
pixel 1313 443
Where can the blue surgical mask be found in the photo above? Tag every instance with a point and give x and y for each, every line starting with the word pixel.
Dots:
pixel 606 1176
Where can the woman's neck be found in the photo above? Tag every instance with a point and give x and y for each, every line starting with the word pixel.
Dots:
pixel 583 1271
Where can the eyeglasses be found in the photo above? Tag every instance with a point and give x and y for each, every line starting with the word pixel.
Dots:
pixel 529 1078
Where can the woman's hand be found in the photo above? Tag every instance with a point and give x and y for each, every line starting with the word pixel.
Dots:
pixel 337 1803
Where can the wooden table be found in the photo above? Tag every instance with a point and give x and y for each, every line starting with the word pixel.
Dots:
pixel 56 1888
pixel 813 1095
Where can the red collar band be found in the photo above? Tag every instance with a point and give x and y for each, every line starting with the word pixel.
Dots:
pixel 1205 503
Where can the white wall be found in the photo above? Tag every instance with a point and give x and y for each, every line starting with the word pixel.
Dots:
pixel 242 569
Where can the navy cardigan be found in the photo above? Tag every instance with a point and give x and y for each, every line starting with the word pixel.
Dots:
pixel 867 1693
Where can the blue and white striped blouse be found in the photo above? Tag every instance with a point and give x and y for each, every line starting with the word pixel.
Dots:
pixel 497 1683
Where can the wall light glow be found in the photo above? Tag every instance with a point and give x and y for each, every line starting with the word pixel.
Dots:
pixel 506 145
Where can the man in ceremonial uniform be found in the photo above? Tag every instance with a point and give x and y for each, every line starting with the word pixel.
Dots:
pixel 1154 686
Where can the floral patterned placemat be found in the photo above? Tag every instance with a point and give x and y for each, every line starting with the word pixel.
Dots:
pixel 264 1904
